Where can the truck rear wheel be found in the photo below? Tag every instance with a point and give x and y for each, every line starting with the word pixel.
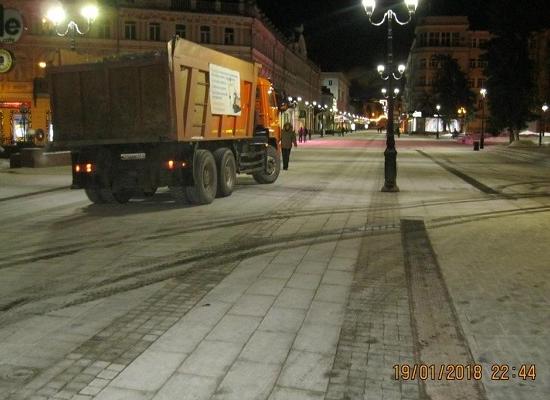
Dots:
pixel 179 194
pixel 227 171
pixel 273 167
pixel 121 197
pixel 94 195
pixel 205 177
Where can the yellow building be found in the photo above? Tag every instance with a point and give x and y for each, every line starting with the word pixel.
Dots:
pixel 236 27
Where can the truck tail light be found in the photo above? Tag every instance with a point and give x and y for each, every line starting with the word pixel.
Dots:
pixel 171 164
pixel 87 168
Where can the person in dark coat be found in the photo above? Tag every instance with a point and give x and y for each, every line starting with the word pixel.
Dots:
pixel 288 138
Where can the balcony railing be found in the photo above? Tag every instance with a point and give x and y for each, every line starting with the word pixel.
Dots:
pixel 180 5
pixel 206 5
pixel 230 7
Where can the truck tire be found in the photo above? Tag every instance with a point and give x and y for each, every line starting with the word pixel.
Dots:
pixel 273 167
pixel 94 195
pixel 227 171
pixel 179 194
pixel 121 197
pixel 205 177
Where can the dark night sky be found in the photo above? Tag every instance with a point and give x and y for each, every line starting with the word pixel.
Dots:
pixel 339 36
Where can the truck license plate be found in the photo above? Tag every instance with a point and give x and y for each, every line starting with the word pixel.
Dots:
pixel 132 156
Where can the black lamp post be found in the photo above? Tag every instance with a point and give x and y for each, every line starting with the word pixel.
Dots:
pixel 483 93
pixel 390 155
pixel 543 123
pixel 438 108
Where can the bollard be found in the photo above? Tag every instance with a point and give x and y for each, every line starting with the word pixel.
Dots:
pixel 476 145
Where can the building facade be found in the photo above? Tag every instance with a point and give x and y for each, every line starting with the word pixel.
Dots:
pixel 338 84
pixel 444 36
pixel 236 27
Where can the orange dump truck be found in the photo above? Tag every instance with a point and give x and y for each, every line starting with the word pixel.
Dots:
pixel 189 119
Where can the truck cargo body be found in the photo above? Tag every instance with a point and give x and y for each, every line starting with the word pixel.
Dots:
pixel 136 123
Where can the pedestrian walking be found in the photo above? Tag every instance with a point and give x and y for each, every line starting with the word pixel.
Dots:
pixel 301 134
pixel 308 132
pixel 288 138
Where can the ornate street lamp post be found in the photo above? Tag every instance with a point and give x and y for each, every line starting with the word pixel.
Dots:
pixel 483 93
pixel 438 108
pixel 543 123
pixel 462 116
pixel 390 155
pixel 57 16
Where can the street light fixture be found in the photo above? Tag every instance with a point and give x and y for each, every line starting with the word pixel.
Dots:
pixel 544 108
pixel 57 15
pixel 462 115
pixel 483 93
pixel 438 108
pixel 390 154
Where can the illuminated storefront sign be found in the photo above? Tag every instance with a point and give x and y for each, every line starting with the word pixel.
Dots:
pixel 6 61
pixel 11 25
pixel 15 104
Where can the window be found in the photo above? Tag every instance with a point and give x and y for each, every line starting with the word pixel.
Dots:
pixel 180 30
pixel 330 83
pixel 434 62
pixel 433 39
pixel 423 39
pixel 130 31
pixel 205 34
pixel 446 39
pixel 480 83
pixel 229 36
pixel 455 39
pixel 423 63
pixel 474 43
pixel 471 83
pixel 154 31
pixel 473 63
pixel 104 30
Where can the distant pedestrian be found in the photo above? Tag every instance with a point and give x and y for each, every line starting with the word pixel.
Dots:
pixel 342 131
pixel 288 138
pixel 308 132
pixel 300 134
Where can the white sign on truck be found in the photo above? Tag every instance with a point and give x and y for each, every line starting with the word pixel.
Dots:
pixel 225 91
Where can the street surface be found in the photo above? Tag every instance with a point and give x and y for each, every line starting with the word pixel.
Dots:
pixel 316 287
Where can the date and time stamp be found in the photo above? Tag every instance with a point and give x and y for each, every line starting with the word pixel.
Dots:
pixel 463 372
